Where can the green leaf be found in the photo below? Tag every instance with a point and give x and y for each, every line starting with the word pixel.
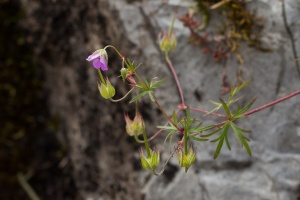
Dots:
pixel 245 143
pixel 241 137
pixel 235 90
pixel 151 96
pixel 239 112
pixel 147 83
pixel 170 135
pixel 198 139
pixel 218 106
pixel 138 96
pixel 157 83
pixel 226 108
pixel 212 133
pixel 219 147
pixel 231 101
pixel 243 130
pixel 227 142
pixel 189 121
pixel 199 124
pixel 188 112
pixel 129 64
pixel 217 139
pixel 215 103
pixel 175 118
pixel 167 127
pixel 201 129
pixel 223 135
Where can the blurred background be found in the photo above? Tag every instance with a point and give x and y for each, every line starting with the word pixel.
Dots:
pixel 60 140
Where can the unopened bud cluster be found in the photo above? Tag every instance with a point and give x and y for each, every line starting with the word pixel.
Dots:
pixel 151 161
pixel 186 159
pixel 135 127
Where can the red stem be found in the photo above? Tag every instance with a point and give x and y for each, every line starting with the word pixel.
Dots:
pixel 176 79
pixel 271 103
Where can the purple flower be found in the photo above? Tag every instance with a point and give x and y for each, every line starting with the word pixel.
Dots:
pixel 99 59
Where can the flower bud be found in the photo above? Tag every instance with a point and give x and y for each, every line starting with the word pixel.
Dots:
pixel 106 90
pixel 135 127
pixel 124 73
pixel 168 42
pixel 150 162
pixel 131 81
pixel 186 160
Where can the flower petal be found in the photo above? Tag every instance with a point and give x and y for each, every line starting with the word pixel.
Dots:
pixel 97 64
pixel 103 63
pixel 93 56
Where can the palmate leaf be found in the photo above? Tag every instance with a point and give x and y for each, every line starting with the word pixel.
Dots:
pixel 138 96
pixel 157 83
pixel 240 137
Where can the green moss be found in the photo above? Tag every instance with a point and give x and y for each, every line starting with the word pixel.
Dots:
pixel 239 25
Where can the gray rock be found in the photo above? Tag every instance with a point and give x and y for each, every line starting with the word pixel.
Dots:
pixel 104 159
